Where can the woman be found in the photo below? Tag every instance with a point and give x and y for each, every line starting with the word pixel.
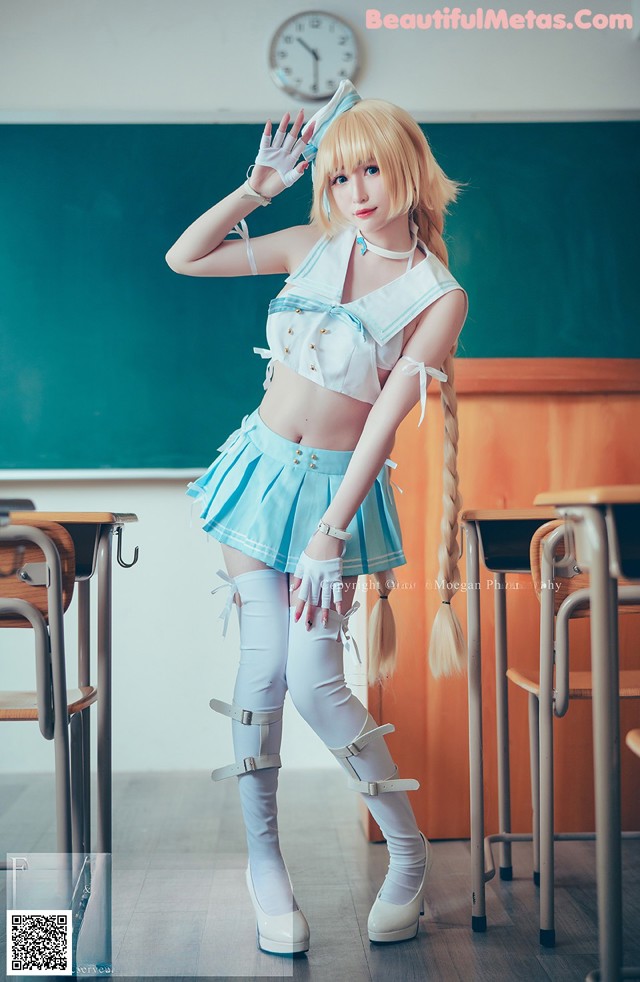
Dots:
pixel 300 496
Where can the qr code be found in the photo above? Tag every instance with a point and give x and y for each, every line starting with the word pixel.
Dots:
pixel 39 942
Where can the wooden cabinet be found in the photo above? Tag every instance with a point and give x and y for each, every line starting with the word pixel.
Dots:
pixel 526 425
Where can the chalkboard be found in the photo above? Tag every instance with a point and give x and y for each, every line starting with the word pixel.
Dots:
pixel 109 359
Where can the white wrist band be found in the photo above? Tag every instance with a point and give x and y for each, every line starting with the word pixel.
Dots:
pixel 332 530
pixel 250 192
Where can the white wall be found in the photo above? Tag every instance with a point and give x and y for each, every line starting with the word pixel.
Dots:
pixel 92 60
pixel 210 57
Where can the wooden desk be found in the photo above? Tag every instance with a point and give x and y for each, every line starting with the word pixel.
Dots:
pixel 92 534
pixel 606 526
pixel 502 537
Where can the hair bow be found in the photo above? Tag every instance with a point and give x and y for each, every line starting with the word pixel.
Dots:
pixel 344 98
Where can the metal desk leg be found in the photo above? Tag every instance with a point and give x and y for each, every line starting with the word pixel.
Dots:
pixel 502 724
pixel 84 675
pixel 103 838
pixel 606 748
pixel 478 913
pixel 545 755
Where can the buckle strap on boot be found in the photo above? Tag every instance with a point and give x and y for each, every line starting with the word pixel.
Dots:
pixel 344 755
pixel 379 787
pixel 246 765
pixel 353 749
pixel 246 716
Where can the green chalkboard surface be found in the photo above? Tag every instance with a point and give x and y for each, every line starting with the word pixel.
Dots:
pixel 109 359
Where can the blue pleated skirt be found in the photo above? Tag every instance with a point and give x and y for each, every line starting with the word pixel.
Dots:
pixel 264 495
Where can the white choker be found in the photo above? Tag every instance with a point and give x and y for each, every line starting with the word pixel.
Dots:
pixel 387 253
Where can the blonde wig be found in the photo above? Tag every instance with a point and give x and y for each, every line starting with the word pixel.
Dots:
pixel 374 130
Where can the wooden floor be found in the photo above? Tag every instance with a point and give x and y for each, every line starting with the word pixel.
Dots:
pixel 180 906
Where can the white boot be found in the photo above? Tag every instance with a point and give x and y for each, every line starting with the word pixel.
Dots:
pixel 256 712
pixel 315 677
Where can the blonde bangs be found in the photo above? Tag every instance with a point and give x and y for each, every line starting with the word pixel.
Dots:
pixel 349 143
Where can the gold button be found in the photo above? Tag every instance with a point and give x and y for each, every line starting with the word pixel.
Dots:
pixel 295 460
pixel 290 331
pixel 312 465
pixel 286 351
pixel 323 330
pixel 298 311
pixel 298 451
pixel 312 367
pixel 312 345
pixel 314 456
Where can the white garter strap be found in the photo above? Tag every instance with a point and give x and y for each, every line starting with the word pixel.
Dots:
pixel 266 353
pixel 424 370
pixel 379 787
pixel 391 463
pixel 344 755
pixel 242 229
pixel 347 641
pixel 353 749
pixel 199 493
pixel 232 587
pixel 248 717
pixel 246 765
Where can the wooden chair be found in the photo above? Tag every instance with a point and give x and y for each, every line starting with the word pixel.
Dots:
pixel 562 590
pixel 37 573
pixel 633 741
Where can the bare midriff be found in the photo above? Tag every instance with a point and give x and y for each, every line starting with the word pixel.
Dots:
pixel 305 412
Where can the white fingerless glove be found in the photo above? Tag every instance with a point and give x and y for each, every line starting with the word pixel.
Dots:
pixel 321 579
pixel 281 153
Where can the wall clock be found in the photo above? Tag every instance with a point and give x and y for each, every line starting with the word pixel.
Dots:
pixel 310 54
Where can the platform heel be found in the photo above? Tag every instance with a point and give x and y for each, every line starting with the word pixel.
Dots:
pixel 399 922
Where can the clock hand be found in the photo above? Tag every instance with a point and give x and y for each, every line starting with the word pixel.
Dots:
pixel 311 51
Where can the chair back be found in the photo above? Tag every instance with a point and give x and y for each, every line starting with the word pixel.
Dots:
pixel 562 583
pixel 22 566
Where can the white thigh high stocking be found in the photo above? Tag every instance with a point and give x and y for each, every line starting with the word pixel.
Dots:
pixel 315 678
pixel 260 687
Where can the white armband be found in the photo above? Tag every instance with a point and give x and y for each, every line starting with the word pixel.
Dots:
pixel 424 370
pixel 242 229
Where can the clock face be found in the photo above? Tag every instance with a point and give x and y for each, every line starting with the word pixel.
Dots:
pixel 311 53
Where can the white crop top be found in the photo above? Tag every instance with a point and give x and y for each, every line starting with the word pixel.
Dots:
pixel 341 346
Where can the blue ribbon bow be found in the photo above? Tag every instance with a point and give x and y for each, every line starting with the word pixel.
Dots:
pixel 343 99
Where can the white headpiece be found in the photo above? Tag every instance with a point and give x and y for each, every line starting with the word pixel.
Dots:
pixel 343 99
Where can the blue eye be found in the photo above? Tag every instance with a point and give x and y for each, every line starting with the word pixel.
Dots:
pixel 339 179
pixel 374 168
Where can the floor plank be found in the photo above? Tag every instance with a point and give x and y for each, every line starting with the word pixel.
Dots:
pixel 181 909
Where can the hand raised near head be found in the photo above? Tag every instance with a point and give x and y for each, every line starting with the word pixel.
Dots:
pixel 276 166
